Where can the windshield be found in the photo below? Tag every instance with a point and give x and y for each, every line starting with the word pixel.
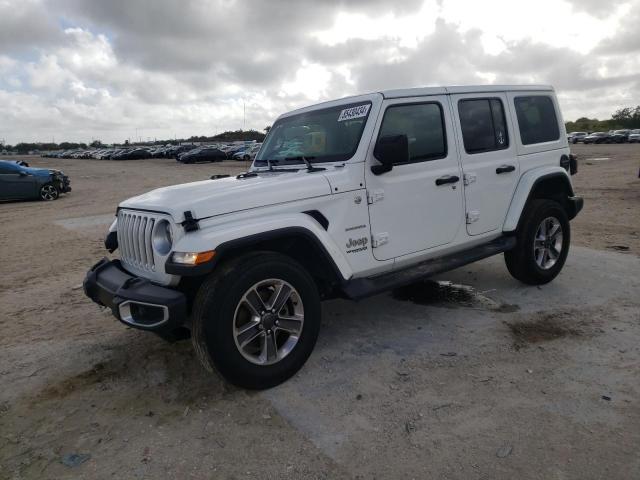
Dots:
pixel 327 135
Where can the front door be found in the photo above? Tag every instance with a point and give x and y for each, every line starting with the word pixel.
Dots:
pixel 417 205
pixel 489 159
pixel 13 184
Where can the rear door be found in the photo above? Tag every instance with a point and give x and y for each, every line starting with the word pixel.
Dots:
pixel 418 204
pixel 489 158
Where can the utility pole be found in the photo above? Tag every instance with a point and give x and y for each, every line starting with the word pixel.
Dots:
pixel 244 114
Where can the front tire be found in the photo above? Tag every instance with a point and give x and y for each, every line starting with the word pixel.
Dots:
pixel 542 247
pixel 256 319
pixel 49 192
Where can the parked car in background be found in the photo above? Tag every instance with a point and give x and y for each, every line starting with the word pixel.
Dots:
pixel 249 153
pixel 18 182
pixel 597 137
pixel 204 154
pixel 634 136
pixel 575 137
pixel 178 150
pixel 131 154
pixel 620 136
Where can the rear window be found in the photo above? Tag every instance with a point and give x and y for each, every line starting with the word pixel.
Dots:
pixel 537 119
pixel 483 125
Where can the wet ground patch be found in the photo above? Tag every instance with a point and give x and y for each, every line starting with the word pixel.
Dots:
pixel 449 295
pixel 98 374
pixel 546 327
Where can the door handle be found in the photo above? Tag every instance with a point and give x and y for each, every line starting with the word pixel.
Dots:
pixel 447 179
pixel 505 169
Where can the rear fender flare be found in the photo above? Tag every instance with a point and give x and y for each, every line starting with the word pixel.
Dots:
pixel 527 184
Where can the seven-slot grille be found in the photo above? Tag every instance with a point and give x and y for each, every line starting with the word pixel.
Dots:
pixel 134 239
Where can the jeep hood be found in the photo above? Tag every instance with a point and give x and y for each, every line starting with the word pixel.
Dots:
pixel 209 198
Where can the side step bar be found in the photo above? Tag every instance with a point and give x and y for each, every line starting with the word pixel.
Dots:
pixel 359 288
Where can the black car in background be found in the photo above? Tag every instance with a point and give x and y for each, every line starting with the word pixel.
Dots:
pixel 132 154
pixel 620 136
pixel 597 137
pixel 203 154
pixel 178 150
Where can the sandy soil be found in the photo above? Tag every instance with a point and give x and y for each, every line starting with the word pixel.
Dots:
pixel 494 380
pixel 608 181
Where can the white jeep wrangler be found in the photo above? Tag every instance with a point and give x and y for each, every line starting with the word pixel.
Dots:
pixel 347 198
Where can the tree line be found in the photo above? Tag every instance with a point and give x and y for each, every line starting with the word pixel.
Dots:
pixel 628 117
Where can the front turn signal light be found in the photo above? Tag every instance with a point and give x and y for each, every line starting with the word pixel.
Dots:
pixel 192 258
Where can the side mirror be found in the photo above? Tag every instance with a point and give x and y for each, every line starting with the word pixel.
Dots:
pixel 389 150
pixel 22 174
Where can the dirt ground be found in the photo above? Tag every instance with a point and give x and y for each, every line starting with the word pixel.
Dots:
pixel 473 377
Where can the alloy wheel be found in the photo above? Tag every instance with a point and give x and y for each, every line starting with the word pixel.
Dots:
pixel 48 192
pixel 268 321
pixel 547 244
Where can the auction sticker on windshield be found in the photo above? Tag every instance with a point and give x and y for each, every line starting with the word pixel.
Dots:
pixel 354 112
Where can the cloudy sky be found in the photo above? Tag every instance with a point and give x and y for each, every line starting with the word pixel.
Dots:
pixel 79 69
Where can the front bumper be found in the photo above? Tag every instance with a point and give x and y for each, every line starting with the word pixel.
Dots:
pixel 64 184
pixel 135 301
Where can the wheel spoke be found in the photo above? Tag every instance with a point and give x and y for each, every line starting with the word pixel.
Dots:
pixel 255 303
pixel 553 253
pixel 280 297
pixel 545 257
pixel 290 324
pixel 555 228
pixel 269 348
pixel 248 333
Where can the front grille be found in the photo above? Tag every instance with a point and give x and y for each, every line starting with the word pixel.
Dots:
pixel 134 239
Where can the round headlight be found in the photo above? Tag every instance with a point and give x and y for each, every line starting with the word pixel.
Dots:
pixel 162 239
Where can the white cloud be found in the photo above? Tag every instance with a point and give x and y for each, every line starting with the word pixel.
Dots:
pixel 82 69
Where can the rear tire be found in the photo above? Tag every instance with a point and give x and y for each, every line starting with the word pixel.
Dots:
pixel 543 239
pixel 235 329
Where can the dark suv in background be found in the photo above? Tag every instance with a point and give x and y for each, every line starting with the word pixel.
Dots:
pixel 18 182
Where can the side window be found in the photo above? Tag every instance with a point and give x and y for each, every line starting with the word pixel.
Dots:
pixel 423 124
pixel 483 124
pixel 537 119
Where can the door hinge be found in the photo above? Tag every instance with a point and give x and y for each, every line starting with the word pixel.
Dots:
pixel 374 196
pixel 469 178
pixel 473 216
pixel 379 239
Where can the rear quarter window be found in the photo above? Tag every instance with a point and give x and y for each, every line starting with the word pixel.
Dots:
pixel 536 119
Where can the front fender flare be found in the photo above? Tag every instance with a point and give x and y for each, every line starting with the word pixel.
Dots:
pixel 526 185
pixel 227 236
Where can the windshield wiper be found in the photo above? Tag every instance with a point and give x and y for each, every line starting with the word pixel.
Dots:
pixel 306 160
pixel 271 163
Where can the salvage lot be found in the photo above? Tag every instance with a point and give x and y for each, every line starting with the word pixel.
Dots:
pixel 479 378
